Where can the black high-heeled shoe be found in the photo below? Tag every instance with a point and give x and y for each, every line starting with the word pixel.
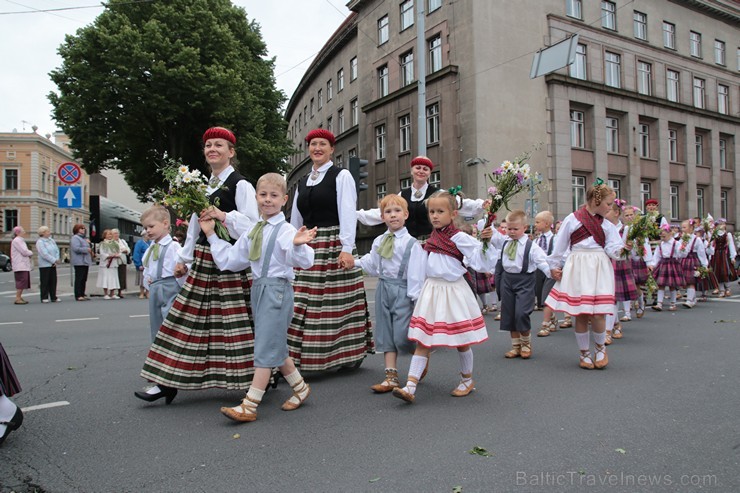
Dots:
pixel 168 393
pixel 12 425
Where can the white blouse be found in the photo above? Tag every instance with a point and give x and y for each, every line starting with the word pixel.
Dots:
pixel 613 246
pixel 450 269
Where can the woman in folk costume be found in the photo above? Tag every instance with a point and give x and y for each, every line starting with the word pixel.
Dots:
pixel 207 339
pixel 331 323
pixel 696 256
pixel 625 289
pixel 723 260
pixel 666 268
pixel 585 285
pixel 11 415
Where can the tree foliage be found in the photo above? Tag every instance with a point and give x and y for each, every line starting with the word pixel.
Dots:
pixel 144 81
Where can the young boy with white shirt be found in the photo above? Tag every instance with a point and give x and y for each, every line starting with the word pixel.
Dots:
pixel 399 261
pixel 159 262
pixel 272 248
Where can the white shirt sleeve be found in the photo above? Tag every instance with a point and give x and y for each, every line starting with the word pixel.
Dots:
pixel 246 214
pixel 731 246
pixel 471 207
pixel 296 219
pixel 347 207
pixel 472 249
pixel 538 257
pixel 185 255
pixel 228 257
pixel 701 252
pixel 562 242
pixel 370 217
pixel 614 244
pixel 297 256
pixel 416 271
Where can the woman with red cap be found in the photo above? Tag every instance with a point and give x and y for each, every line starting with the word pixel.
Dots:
pixel 418 223
pixel 331 323
pixel 207 339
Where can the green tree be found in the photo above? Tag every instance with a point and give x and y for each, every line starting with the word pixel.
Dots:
pixel 144 81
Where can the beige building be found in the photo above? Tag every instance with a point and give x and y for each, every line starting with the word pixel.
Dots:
pixel 651 104
pixel 28 164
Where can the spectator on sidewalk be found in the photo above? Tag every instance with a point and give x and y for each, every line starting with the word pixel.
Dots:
pixel 20 258
pixel 48 252
pixel 81 256
pixel 125 251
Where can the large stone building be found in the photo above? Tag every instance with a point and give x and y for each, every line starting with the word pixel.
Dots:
pixel 651 102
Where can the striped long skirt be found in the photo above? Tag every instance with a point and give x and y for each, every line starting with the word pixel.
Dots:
pixel 722 266
pixel 9 384
pixel 331 322
pixel 207 339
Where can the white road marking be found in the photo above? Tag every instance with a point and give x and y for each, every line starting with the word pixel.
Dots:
pixel 10 323
pixel 138 316
pixel 77 319
pixel 44 406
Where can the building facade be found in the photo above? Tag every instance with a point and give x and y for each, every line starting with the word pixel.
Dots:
pixel 652 102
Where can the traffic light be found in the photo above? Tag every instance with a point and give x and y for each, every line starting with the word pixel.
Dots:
pixel 355 168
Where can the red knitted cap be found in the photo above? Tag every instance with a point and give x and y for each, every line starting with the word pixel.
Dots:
pixel 423 160
pixel 651 201
pixel 320 133
pixel 219 133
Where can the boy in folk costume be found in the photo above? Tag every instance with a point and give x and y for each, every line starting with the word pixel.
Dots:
pixel 696 256
pixel 399 261
pixel 666 268
pixel 272 248
pixel 625 289
pixel 518 260
pixel 543 284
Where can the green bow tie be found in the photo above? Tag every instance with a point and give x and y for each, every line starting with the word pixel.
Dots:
pixel 510 249
pixel 255 249
pixel 214 181
pixel 385 249
pixel 153 252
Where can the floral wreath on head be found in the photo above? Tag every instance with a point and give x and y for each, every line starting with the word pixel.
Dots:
pixel 620 203
pixel 666 227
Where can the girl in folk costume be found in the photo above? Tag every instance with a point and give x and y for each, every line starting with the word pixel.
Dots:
pixel 585 285
pixel 447 313
pixel 696 256
pixel 483 282
pixel 666 267
pixel 625 289
pixel 704 285
pixel 724 257
pixel 639 256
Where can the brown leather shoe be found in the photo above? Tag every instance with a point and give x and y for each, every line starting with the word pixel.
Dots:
pixel 601 364
pixel 514 352
pixel 299 388
pixel 403 395
pixel 469 387
pixel 585 360
pixel 526 350
pixel 387 385
pixel 248 411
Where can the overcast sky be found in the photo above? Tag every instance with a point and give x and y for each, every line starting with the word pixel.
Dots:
pixel 294 31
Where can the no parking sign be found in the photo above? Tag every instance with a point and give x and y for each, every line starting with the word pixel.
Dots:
pixel 69 173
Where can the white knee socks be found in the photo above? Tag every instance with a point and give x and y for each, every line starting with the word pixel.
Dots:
pixel 466 367
pixel 418 363
pixel 583 340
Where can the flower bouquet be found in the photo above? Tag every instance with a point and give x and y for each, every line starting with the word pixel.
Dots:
pixel 186 193
pixel 702 272
pixel 684 242
pixel 509 179
pixel 642 228
pixel 651 286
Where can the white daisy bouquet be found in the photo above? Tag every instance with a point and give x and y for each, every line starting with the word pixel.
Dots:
pixel 185 193
pixel 507 180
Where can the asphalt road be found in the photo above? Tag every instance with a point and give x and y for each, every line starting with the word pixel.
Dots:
pixel 664 416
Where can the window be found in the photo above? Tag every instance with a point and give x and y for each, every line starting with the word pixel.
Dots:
pixel 644 193
pixel 615 185
pixel 339 160
pixel 672 145
pixel 674 203
pixel 719 52
pixel 54 228
pixel 434 179
pixel 612 72
pixel 380 190
pixel 644 75
pixel 644 140
pixel 404 125
pixel 407 68
pixel 700 202
pixel 380 142
pixel 723 203
pixel 354 112
pixel 383 81
pixel 699 92
pixel 723 99
pixel 722 154
pixel 435 54
pixel 695 44
pixel 311 106
pixel 699 139
pixel 434 5
pixel 578 68
pixel 579 191
pixel 383 30
pixel 672 85
pixel 640 25
pixel 329 89
pixel 11 179
pixel 353 69
pixel 609 15
pixel 330 124
pixel 577 132
pixel 352 152
pixel 573 9
pixel 612 135
pixel 43 218
pixel 340 120
pixel 321 98
pixel 305 115
pixel 11 219
pixel 407 14
pixel 433 124
pixel 340 80
pixel 405 183
pixel 669 35
pixel 43 186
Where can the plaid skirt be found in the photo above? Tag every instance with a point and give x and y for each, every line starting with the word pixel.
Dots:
pixel 722 267
pixel 207 339
pixel 668 273
pixel 625 288
pixel 9 384
pixel 482 281
pixel 639 271
pixel 709 283
pixel 689 265
pixel 331 322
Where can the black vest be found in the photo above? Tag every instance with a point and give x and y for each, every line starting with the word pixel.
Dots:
pixel 226 199
pixel 318 204
pixel 418 222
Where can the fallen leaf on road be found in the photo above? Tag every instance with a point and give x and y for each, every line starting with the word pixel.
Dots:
pixel 480 451
pixel 620 450
pixel 235 436
pixel 457 489
pixel 725 321
pixel 374 480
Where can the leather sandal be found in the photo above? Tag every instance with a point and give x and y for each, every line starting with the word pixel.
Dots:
pixel 544 330
pixel 608 339
pixel 298 389
pixel 405 395
pixel 514 352
pixel 617 333
pixel 626 318
pixel 387 385
pixel 585 360
pixel 469 386
pixel 601 363
pixel 525 352
pixel 566 323
pixel 248 411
